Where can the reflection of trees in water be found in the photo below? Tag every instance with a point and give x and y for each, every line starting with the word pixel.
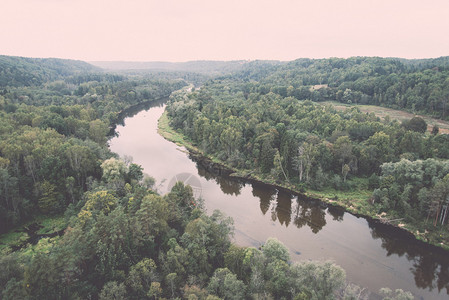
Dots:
pixel 281 209
pixel 134 110
pixel 229 186
pixel 309 213
pixel 305 212
pixel 284 207
pixel 430 268
pixel 265 194
pixel 430 265
pixel 337 213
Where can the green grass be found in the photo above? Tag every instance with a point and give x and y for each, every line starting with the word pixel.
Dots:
pixel 51 224
pixel 17 236
pixel 168 133
pixel 394 114
pixel 12 239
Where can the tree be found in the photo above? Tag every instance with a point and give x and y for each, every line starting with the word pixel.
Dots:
pixel 98 131
pixel 278 169
pixel 152 218
pixel 398 294
pixel 42 277
pixel 307 153
pixel 14 290
pixel 171 282
pixel 343 150
pixel 81 160
pixel 254 265
pixel 114 171
pixel 48 202
pixel 233 260
pixel 440 200
pixel 273 250
pixel 379 149
pixel 435 129
pixel 176 260
pixel 225 285
pixel 97 202
pixel 12 269
pixel 319 280
pixel 135 173
pixel 141 276
pixel 416 124
pixel 113 290
pixel 267 154
pixel 344 171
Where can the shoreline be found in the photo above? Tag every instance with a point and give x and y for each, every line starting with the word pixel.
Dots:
pixel 221 168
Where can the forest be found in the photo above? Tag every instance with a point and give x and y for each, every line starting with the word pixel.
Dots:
pixel 268 123
pixel 117 238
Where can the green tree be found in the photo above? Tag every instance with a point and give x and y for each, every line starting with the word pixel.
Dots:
pixel 225 285
pixel 96 203
pixel 113 290
pixel 98 131
pixel 398 294
pixel 319 280
pixel 49 199
pixel 141 276
pixel 134 173
pixel 114 172
pixel 343 150
pixel 416 124
pixel 274 250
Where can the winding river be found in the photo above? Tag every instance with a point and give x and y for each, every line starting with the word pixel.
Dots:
pixel 372 254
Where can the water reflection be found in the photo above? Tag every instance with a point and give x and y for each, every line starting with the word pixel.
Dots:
pixel 305 212
pixel 134 110
pixel 266 194
pixel 384 259
pixel 337 213
pixel 430 271
pixel 229 186
pixel 430 265
pixel 310 213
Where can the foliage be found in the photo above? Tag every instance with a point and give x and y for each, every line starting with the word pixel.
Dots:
pixel 55 118
pixel 263 122
pixel 123 240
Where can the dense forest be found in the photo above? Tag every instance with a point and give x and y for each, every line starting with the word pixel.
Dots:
pixel 53 134
pixel 265 121
pixel 413 85
pixel 118 238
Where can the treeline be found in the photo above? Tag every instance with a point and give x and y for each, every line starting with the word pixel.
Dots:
pixel 53 136
pixel 414 85
pixel 126 242
pixel 24 71
pixel 123 240
pixel 309 145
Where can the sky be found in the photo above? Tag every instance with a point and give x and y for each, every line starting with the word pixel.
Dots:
pixel 185 30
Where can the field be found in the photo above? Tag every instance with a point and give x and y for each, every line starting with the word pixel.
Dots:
pixel 399 115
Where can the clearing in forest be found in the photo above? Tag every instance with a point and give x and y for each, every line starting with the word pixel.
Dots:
pixel 399 115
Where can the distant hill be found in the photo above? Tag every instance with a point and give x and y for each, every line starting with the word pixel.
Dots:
pixel 24 71
pixel 201 66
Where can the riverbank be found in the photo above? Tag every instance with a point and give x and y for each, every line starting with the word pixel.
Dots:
pixel 356 202
pixel 44 226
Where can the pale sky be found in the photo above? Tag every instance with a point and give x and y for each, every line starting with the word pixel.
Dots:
pixel 183 30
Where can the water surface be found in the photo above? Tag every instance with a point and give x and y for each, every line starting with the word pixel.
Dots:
pixel 373 255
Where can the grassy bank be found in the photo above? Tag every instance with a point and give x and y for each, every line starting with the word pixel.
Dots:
pixel 355 201
pixel 393 114
pixel 19 236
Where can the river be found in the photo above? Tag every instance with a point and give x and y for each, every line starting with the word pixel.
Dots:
pixel 373 255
